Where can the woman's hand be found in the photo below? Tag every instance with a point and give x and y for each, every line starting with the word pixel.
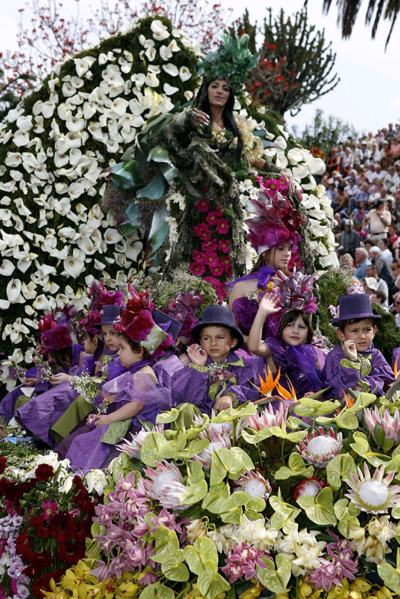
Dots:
pixel 349 348
pixel 30 382
pixel 223 403
pixel 202 118
pixel 197 355
pixel 61 377
pixel 270 303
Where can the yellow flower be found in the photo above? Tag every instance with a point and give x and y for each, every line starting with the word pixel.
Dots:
pixel 360 585
pixel 253 592
pixel 305 590
pixel 384 593
pixel 56 592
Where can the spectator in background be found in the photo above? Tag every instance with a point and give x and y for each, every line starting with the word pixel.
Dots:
pixel 362 261
pixel 342 201
pixel 379 173
pixel 349 239
pixel 370 172
pixel 396 306
pixel 366 153
pixel 389 180
pixel 379 220
pixel 351 189
pixel 379 298
pixel 364 193
pixel 333 162
pixel 385 246
pixel 370 140
pixel 347 161
pixel 358 214
pixel 396 269
pixel 395 149
pixel 381 285
pixel 375 154
pixel 347 263
pixel 356 153
pixel 381 268
pixel 391 132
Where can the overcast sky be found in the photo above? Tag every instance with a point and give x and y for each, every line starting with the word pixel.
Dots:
pixel 368 95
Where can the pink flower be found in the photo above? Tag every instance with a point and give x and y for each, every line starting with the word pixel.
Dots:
pixel 49 509
pixel 198 257
pixel 203 205
pixel 212 218
pixel 211 259
pixel 223 246
pixel 241 562
pixel 209 246
pixel 202 231
pixel 223 226
pixel 197 269
pixel 217 270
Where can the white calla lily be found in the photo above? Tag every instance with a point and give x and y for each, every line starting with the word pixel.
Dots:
pixel 112 236
pixel 24 123
pixel 13 159
pixel 160 32
pixel 21 138
pixel 184 74
pixel 171 69
pixel 6 268
pixel 13 290
pixel 73 267
pixel 170 90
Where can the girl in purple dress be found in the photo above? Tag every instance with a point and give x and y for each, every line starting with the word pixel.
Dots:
pixel 130 396
pixel 217 377
pixel 291 351
pixel 355 363
pixel 274 235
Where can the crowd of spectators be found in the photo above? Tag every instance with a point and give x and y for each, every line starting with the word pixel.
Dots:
pixel 363 183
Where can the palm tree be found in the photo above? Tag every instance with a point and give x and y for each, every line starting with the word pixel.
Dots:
pixel 377 10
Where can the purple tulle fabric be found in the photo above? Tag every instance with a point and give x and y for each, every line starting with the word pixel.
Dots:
pixel 263 276
pixel 299 364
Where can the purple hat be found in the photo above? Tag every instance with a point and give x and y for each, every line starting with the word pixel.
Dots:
pixel 110 313
pixel 167 323
pixel 218 316
pixel 355 305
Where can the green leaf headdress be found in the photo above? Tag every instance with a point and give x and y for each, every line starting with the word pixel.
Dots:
pixel 233 61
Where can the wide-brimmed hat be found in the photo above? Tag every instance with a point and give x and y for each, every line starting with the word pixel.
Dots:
pixel 110 313
pixel 218 316
pixel 167 323
pixel 370 282
pixel 355 305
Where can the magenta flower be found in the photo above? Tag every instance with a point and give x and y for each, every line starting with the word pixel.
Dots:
pixel 49 509
pixel 209 246
pixel 241 562
pixel 223 246
pixel 223 226
pixel 203 205
pixel 212 218
pixel 217 270
pixel 202 231
pixel 197 269
pixel 326 576
pixel 211 259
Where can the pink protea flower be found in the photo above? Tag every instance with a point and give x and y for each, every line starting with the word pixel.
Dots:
pixel 390 424
pixel 373 495
pixel 311 486
pixel 254 484
pixel 134 446
pixel 267 418
pixel 163 484
pixel 218 440
pixel 321 448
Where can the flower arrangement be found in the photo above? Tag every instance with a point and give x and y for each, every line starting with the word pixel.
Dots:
pixel 45 516
pixel 299 502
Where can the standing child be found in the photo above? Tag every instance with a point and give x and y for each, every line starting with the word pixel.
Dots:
pixel 216 377
pixel 291 351
pixel 129 396
pixel 355 363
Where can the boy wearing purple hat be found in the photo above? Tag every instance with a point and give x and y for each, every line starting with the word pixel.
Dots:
pixel 216 377
pixel 355 363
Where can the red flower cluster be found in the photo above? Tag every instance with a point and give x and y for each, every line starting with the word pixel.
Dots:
pixel 3 464
pixel 44 472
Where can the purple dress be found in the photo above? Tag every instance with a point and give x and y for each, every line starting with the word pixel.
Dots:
pixel 302 365
pixel 370 371
pixel 245 309
pixel 40 413
pixel 197 384
pixel 90 447
pixel 165 368
pixel 7 404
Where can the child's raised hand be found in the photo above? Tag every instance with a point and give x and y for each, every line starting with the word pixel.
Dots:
pixel 197 355
pixel 223 403
pixel 270 303
pixel 349 348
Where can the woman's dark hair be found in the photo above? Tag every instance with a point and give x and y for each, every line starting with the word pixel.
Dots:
pixel 263 260
pixel 64 357
pixel 293 315
pixel 342 324
pixel 227 115
pixel 136 347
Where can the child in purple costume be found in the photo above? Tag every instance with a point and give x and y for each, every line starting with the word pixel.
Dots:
pixel 216 377
pixel 169 363
pixel 355 363
pixel 292 351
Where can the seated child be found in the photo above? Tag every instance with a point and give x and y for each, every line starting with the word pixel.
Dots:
pixel 169 362
pixel 292 351
pixel 216 377
pixel 355 363
pixel 130 394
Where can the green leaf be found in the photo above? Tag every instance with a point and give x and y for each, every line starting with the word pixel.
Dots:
pixel 132 219
pixel 313 407
pixel 126 175
pixel 170 448
pixel 319 509
pixel 339 469
pixel 346 514
pixel 210 583
pixel 246 409
pixel 194 448
pixel 276 580
pixel 391 575
pixel 167 417
pixel 241 455
pixel 204 551
pixel 166 543
pixel 158 233
pixel 157 591
pixel 154 190
pixel 296 467
pixel 216 497
pixel 159 154
pixel 152 444
pixel 173 568
pixel 225 461
pixel 194 493
pixel 169 172
pixel 285 514
pixel 257 504
pixel 379 434
pixel 347 420
pixel 232 512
